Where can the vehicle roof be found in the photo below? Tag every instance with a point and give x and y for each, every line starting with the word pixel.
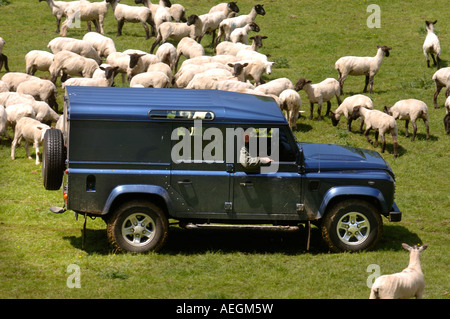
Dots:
pixel 124 103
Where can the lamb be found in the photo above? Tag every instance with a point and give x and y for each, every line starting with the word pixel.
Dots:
pixel 275 87
pixel 129 64
pixel 71 64
pixel 228 25
pixel 32 131
pixel 102 77
pixel 431 45
pixel 176 31
pixel 290 102
pixel 151 80
pixel 159 15
pixel 319 93
pixel 377 120
pixel 41 90
pixel 3 58
pixel 410 110
pixel 13 79
pixel 441 79
pixel 215 16
pixel 189 48
pixel 406 284
pixel 125 13
pixel 38 60
pixel 241 34
pixel 368 66
pixel 167 53
pixel 231 48
pixel 81 47
pixel 85 11
pixel 102 44
pixel 346 108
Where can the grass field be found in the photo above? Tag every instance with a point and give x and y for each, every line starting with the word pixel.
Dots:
pixel 305 38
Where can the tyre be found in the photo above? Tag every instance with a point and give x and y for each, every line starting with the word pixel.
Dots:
pixel 352 225
pixel 137 226
pixel 53 161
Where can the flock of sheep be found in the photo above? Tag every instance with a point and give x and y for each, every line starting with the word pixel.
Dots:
pixel 94 61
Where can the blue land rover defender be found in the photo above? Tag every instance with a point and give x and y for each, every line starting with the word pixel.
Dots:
pixel 139 157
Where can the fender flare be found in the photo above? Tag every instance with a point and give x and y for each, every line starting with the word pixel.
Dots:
pixel 137 189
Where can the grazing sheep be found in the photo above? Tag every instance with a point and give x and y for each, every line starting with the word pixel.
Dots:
pixel 3 58
pixel 40 90
pixel 13 79
pixel 15 112
pixel 188 71
pixel 275 87
pixel 167 53
pixel 129 64
pixel 3 87
pixel 228 25
pixel 189 48
pixel 177 31
pixel 10 98
pixel 125 13
pixel 256 69
pixel 176 11
pixel 3 121
pixel 207 80
pixel 319 93
pixel 161 67
pixel 368 66
pixel 102 44
pixel 403 285
pixel 147 58
pixel 151 80
pixel 103 77
pixel 37 60
pixel 80 47
pixel 377 120
pixel 159 15
pixel 44 113
pixel 290 102
pixel 232 85
pixel 241 34
pixel 85 11
pixel 231 48
pixel 431 46
pixel 441 79
pixel 410 110
pixel 72 64
pixel 346 108
pixel 32 131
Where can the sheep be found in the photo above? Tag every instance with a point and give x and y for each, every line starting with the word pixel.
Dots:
pixel 223 58
pixel 410 110
pixel 81 47
pixel 3 58
pixel 10 98
pixel 377 120
pixel 228 25
pixel 71 64
pixel 102 77
pixel 176 31
pixel 441 79
pixel 256 69
pixel 161 67
pixel 233 85
pixel 58 10
pixel 346 108
pixel 129 64
pixel 32 131
pixel 408 283
pixel 319 93
pixel 275 87
pixel 151 79
pixel 147 58
pixel 3 121
pixel 215 16
pixel 3 87
pixel 15 112
pixel 125 13
pixel 189 48
pixel 102 44
pixel 44 113
pixel 447 105
pixel 159 14
pixel 231 48
pixel 13 79
pixel 241 34
pixel 187 72
pixel 226 7
pixel 208 79
pixel 290 102
pixel 41 90
pixel 431 45
pixel 167 53
pixel 368 66
pixel 176 11
pixel 38 60
pixel 85 11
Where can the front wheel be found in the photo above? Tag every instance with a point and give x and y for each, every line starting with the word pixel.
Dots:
pixel 352 225
pixel 138 227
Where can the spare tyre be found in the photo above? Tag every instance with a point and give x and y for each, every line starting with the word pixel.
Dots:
pixel 53 161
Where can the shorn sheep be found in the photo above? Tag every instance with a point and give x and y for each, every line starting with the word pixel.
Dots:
pixel 167 53
pixel 13 79
pixel 127 64
pixel 408 283
pixel 160 13
pixel 241 34
pixel 85 11
pixel 103 76
pixel 102 44
pixel 441 79
pixel 379 121
pixel 410 110
pixel 319 93
pixel 71 64
pixel 431 45
pixel 368 66
pixel 32 131
pixel 81 47
pixel 41 90
pixel 189 48
pixel 290 102
pixel 153 79
pixel 38 60
pixel 346 109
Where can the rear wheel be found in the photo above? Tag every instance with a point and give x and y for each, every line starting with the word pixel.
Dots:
pixel 137 226
pixel 352 225
pixel 53 161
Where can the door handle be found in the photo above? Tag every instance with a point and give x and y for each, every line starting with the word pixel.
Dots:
pixel 185 183
pixel 247 184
